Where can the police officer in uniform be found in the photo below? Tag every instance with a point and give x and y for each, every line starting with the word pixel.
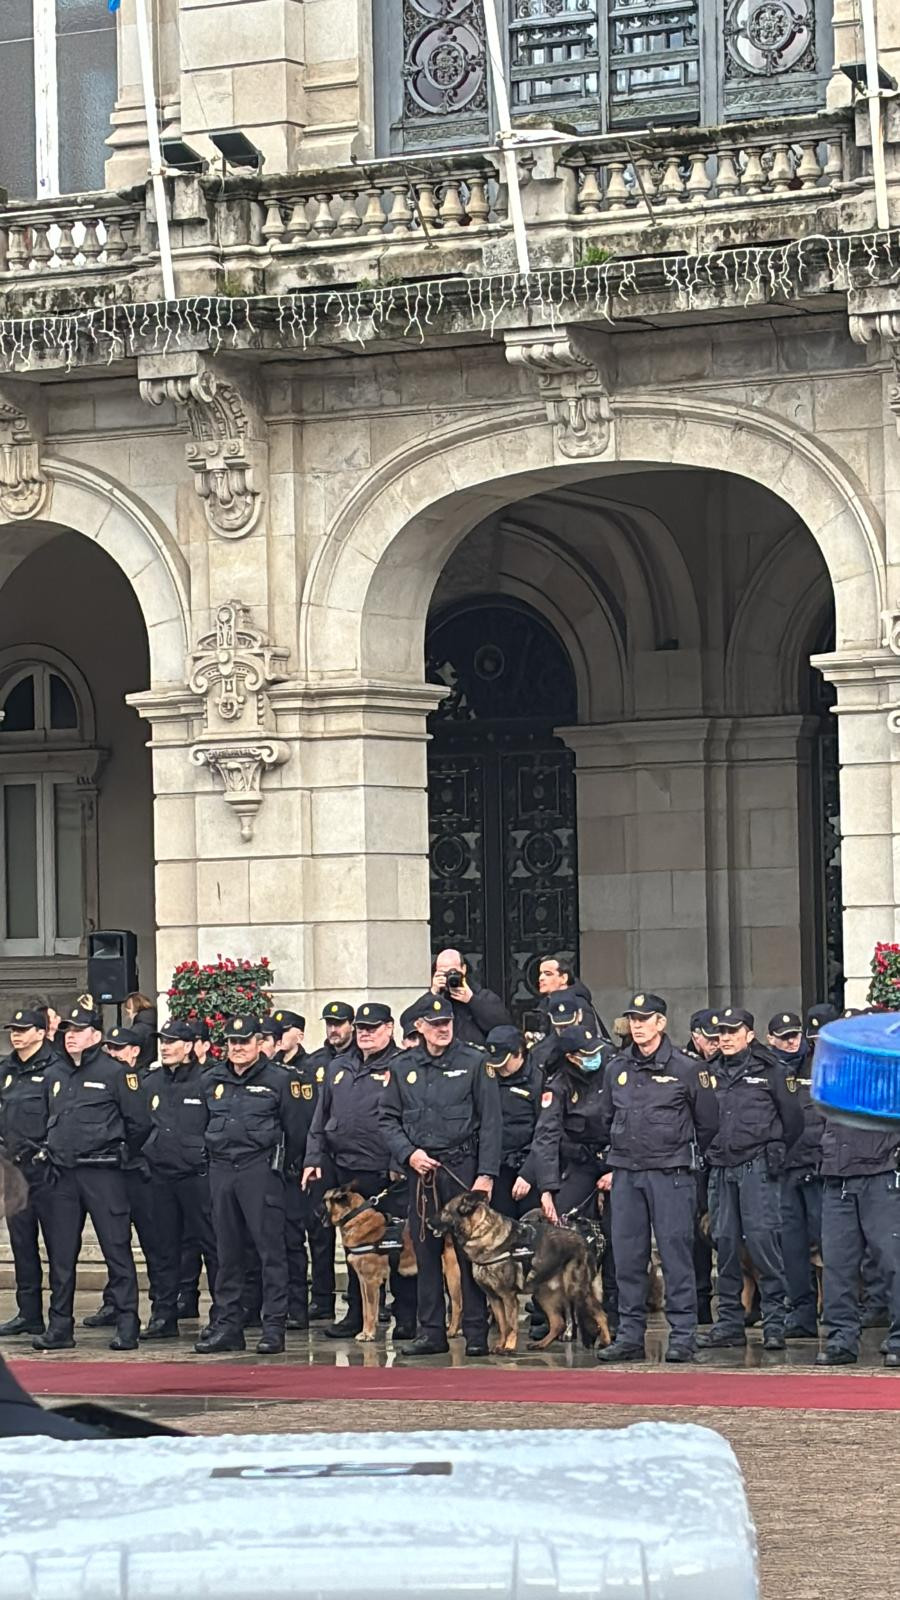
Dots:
pixel 801 1185
pixel 258 1122
pixel 760 1120
pixel 440 1112
pixel 310 1241
pixel 659 1115
pixel 125 1045
pixel 564 1009
pixel 860 1215
pixel 703 1046
pixel 175 1151
pixel 202 1041
pixel 293 1029
pixel 339 1039
pixel 96 1125
pixel 520 1083
pixel 347 1144
pixel 23 1129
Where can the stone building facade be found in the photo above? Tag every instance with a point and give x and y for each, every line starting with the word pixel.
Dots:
pixel 373 593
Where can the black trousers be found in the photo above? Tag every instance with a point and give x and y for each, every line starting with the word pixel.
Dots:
pixel 579 1183
pixel 101 1194
pixel 140 1205
pixel 248 1208
pixel 665 1202
pixel 801 1231
pixel 22 1227
pixel 180 1203
pixel 403 1289
pixel 859 1215
pixel 703 1250
pixel 432 1195
pixel 745 1208
pixel 502 1199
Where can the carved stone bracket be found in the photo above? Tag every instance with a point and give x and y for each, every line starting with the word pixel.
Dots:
pixel 227 451
pixel 23 485
pixel 868 327
pixel 231 667
pixel 568 364
pixel 239 769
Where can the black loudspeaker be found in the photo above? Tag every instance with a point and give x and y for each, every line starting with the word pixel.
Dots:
pixel 112 965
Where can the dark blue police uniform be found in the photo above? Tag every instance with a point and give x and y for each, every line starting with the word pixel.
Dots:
pixel 23 1129
pixel 860 1214
pixel 801 1187
pixel 520 1104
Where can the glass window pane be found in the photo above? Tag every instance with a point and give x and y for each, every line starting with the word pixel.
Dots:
pixel 63 710
pixel 16 19
pixel 18 160
pixel 18 708
pixel 78 16
pixel 20 845
pixel 86 68
pixel 67 837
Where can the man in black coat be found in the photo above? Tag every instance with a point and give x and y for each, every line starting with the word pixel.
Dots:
pixel 23 1128
pixel 475 1010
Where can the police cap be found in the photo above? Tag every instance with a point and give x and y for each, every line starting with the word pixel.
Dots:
pixel 702 1022
pixel 732 1018
pixel 437 1008
pixel 646 1005
pixel 199 1030
pixel 372 1015
pixel 120 1037
pixel 337 1011
pixel 816 1018
pixel 272 1027
pixel 242 1027
pixel 27 1019
pixel 784 1024
pixel 579 1041
pixel 408 1021
pixel 175 1028
pixel 564 1007
pixel 81 1016
pixel 290 1019
pixel 503 1042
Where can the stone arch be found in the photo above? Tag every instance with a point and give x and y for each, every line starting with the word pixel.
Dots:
pixel 379 564
pixel 776 614
pixel 87 501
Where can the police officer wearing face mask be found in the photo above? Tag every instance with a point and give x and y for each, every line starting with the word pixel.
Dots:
pixel 520 1083
pixel 23 1128
pixel 760 1121
pixel 337 1016
pixel 565 1008
pixel 658 1113
pixel 801 1185
pixel 258 1122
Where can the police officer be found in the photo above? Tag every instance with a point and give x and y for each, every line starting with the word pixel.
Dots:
pixel 520 1083
pixel 339 1039
pixel 202 1041
pixel 801 1185
pixel 760 1120
pixel 258 1121
pixel 309 1238
pixel 347 1144
pixel 566 1154
pixel 96 1125
pixel 703 1045
pixel 860 1216
pixel 175 1151
pixel 191 1258
pixel 23 1128
pixel 270 1037
pixel 475 1010
pixel 659 1115
pixel 440 1111
pixel 125 1045
pixel 564 1009
pixel 291 1052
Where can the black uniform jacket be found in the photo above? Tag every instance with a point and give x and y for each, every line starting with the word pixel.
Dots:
pixel 96 1112
pixel 806 1154
pixel 758 1106
pixel 178 1114
pixel 571 1128
pixel 23 1103
pixel 655 1108
pixel 346 1127
pixel 253 1113
pixel 520 1104
pixel 857 1152
pixel 473 1019
pixel 441 1104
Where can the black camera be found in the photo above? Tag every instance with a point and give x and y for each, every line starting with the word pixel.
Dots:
pixel 455 980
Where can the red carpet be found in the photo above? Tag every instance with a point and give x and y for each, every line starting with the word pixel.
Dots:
pixel 765 1391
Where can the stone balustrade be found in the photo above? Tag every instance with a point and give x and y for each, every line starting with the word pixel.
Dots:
pixel 66 235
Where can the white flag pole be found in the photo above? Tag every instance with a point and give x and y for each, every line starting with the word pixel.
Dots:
pixel 145 52
pixel 505 135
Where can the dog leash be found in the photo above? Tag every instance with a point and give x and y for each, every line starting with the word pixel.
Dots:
pixel 371 1204
pixel 574 1210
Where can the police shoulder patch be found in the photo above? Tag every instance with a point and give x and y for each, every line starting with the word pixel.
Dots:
pixel 218 1091
pixel 547 1098
pixel 573 1098
pixel 133 1081
pixel 490 1069
pixel 306 1090
pixel 320 1074
pixel 154 1102
pixel 622 1078
pixel 295 1090
pixel 791 1083
pixel 704 1079
pixel 410 1077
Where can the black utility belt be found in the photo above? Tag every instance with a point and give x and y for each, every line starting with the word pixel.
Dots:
pixel 244 1161
pixel 447 1156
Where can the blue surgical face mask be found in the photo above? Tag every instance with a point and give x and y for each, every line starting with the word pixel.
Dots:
pixel 591 1063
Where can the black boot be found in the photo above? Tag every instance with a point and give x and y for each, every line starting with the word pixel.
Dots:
pixel 425 1347
pixel 321 1310
pixel 104 1318
pixel 271 1343
pixel 160 1328
pixel 57 1337
pixel 298 1319
pixel 188 1307
pixel 19 1324
pixel 347 1328
pixel 220 1339
pixel 128 1328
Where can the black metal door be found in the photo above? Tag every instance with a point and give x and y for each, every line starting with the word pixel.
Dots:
pixel 504 869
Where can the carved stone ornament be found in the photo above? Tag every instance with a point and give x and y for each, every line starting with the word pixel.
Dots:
pixel 23 485
pixel 571 384
pixel 231 667
pixel 870 326
pixel 227 452
pixel 239 769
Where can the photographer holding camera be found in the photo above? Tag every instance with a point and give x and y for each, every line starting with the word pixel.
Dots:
pixel 475 1011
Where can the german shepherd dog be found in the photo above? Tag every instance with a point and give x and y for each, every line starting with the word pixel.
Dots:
pixel 560 1272
pixel 372 1267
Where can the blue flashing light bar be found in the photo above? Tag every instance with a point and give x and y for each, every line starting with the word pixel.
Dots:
pixel 856 1068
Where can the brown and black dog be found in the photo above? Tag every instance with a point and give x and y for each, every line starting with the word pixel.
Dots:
pixel 559 1271
pixel 372 1267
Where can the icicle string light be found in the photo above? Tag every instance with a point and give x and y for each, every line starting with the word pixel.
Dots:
pixel 752 274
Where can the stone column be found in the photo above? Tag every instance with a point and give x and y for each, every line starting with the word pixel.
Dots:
pixel 130 158
pixel 868 713
pixel 242 67
pixel 691 870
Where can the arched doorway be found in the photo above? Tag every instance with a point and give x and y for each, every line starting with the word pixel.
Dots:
pixel 501 790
